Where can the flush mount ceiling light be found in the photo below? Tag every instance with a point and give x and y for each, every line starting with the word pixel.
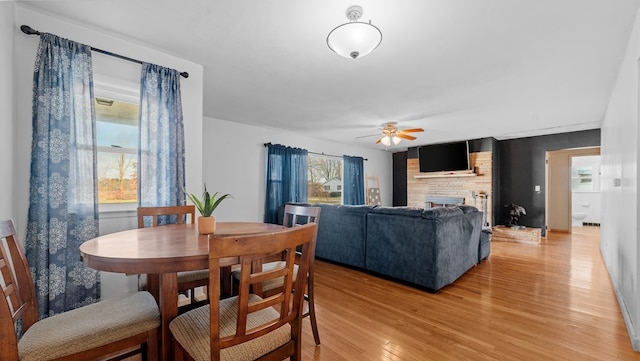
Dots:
pixel 354 39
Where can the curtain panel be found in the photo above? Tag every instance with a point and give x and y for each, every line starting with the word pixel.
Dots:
pixel 286 178
pixel 161 159
pixel 63 211
pixel 353 180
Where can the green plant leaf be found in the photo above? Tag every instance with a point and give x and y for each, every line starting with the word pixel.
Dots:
pixel 207 204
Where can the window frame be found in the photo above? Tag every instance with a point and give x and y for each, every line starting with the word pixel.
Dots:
pixel 325 156
pixel 125 91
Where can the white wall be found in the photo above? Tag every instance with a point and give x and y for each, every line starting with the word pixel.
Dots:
pixel 234 162
pixel 24 57
pixel 7 116
pixel 619 231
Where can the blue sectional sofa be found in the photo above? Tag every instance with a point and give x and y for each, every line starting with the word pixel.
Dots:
pixel 428 248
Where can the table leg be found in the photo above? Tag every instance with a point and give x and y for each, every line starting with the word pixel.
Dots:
pixel 168 311
pixel 153 286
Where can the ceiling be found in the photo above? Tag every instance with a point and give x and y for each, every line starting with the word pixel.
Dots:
pixel 460 69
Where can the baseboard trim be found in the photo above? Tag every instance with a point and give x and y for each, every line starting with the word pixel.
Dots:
pixel 635 341
pixel 628 321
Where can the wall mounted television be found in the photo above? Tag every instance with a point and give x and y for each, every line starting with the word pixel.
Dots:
pixel 445 157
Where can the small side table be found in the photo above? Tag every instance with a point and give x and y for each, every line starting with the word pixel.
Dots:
pixel 518 235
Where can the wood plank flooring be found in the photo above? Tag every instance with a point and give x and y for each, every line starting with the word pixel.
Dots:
pixel 552 301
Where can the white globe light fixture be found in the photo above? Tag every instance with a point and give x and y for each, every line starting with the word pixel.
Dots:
pixel 386 140
pixel 354 39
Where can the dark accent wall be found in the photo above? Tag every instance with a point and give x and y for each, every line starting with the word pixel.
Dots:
pixel 399 179
pixel 518 165
pixel 522 166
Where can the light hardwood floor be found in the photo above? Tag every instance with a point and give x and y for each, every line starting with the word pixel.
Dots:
pixel 552 301
pixel 548 302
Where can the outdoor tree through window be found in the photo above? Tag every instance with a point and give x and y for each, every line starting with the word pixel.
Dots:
pixel 325 179
pixel 117 141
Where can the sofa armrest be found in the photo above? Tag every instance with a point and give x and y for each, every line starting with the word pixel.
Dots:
pixel 341 234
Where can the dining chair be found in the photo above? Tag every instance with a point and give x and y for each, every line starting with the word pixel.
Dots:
pixel 247 326
pixel 110 329
pixel 293 215
pixel 188 281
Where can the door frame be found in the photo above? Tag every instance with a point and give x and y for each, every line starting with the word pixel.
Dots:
pixel 558 184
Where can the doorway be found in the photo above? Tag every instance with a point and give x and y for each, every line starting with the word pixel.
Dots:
pixel 558 185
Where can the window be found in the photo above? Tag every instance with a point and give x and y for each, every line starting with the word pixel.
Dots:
pixel 581 179
pixel 325 179
pixel 117 106
pixel 117 142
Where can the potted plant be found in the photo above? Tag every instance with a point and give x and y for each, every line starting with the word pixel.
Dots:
pixel 206 205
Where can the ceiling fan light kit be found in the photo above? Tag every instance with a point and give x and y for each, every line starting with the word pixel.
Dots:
pixel 354 39
pixel 391 133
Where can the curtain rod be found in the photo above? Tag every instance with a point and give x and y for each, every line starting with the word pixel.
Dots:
pixel 323 154
pixel 31 31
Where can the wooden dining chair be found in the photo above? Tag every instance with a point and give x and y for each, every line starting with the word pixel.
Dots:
pixel 110 329
pixel 293 215
pixel 188 281
pixel 247 326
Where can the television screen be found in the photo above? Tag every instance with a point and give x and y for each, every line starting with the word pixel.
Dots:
pixel 444 157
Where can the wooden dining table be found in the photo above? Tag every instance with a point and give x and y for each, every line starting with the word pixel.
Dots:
pixel 161 252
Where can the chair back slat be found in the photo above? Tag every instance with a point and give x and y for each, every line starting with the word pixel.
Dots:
pixel 18 292
pixel 288 301
pixel 294 215
pixel 181 213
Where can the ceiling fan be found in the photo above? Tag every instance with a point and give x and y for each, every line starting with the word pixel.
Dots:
pixel 391 133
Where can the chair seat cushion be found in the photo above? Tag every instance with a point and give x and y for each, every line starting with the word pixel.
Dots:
pixel 89 327
pixel 191 330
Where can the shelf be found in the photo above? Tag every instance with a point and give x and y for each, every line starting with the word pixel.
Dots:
pixel 445 175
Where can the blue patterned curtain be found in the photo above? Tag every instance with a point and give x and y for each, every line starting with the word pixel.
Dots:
pixel 353 180
pixel 286 178
pixel 161 175
pixel 63 211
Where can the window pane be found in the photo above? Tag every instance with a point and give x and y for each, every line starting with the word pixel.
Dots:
pixel 117 140
pixel 582 179
pixel 325 179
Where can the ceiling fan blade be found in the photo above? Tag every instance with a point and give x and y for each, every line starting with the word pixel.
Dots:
pixel 412 130
pixel 378 141
pixel 406 136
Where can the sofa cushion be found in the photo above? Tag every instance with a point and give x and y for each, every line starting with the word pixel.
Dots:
pixel 468 209
pixel 441 212
pixel 399 211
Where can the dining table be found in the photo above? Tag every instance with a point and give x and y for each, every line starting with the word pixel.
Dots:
pixel 161 252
